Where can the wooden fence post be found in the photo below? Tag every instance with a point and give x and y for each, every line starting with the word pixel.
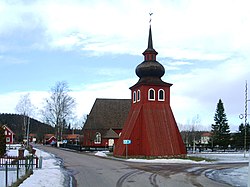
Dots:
pixel 37 161
pixel 17 170
pixel 26 165
pixel 6 174
pixel 32 162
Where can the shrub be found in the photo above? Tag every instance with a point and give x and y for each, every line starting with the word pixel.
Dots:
pixel 2 142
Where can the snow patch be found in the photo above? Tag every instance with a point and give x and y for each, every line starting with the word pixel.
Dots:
pixel 50 175
pixel 183 161
pixel 235 177
pixel 101 154
pixel 14 153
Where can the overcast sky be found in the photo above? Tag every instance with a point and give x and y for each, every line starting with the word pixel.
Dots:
pixel 96 45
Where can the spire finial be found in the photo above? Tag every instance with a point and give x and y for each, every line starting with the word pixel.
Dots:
pixel 150 14
pixel 150 42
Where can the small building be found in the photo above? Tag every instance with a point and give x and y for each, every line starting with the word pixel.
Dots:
pixel 33 137
pixel 105 122
pixel 205 138
pixel 72 138
pixel 9 135
pixel 49 139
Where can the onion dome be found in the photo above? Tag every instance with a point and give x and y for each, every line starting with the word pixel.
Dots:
pixel 149 67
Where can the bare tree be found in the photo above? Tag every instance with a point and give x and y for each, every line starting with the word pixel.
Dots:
pixel 25 108
pixel 194 130
pixel 24 105
pixel 191 133
pixel 59 107
pixel 79 122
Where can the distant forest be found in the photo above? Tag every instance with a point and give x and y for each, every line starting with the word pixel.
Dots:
pixel 16 122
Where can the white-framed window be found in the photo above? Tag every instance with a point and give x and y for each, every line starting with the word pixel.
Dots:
pixel 161 95
pixel 134 96
pixel 98 138
pixel 7 139
pixel 5 132
pixel 111 142
pixel 138 95
pixel 151 94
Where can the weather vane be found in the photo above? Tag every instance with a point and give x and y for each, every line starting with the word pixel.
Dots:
pixel 150 14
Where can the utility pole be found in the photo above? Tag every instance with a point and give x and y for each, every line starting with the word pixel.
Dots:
pixel 28 130
pixel 241 116
pixel 245 135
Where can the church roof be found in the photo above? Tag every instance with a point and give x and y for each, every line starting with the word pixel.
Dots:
pixel 150 70
pixel 108 113
pixel 111 134
pixel 150 43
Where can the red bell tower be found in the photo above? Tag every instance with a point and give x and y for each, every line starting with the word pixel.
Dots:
pixel 150 124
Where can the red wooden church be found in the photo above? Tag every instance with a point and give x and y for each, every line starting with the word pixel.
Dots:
pixel 105 122
pixel 150 124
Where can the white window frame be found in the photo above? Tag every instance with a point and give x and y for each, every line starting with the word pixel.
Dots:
pixel 7 139
pixel 163 92
pixel 153 99
pixel 134 96
pixel 98 138
pixel 111 142
pixel 138 95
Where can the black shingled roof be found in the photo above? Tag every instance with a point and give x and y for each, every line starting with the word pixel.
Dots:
pixel 108 113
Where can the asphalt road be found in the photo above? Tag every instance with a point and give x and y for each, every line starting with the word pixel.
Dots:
pixel 92 171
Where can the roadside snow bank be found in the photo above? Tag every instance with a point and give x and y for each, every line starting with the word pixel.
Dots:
pixel 50 174
pixel 223 157
pixel 164 161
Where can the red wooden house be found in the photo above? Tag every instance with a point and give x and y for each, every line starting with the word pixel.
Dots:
pixel 72 138
pixel 49 139
pixel 205 138
pixel 9 135
pixel 105 122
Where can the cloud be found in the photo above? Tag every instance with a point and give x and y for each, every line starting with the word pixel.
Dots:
pixel 4 59
pixel 198 91
pixel 185 29
pixel 172 64
pixel 180 63
pixel 84 95
pixel 194 93
pixel 10 100
pixel 205 44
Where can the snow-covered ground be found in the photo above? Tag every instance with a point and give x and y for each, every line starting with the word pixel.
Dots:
pixel 12 173
pixel 224 157
pixel 234 177
pixel 51 173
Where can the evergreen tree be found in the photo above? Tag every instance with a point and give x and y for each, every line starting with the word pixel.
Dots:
pixel 241 135
pixel 2 142
pixel 220 129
